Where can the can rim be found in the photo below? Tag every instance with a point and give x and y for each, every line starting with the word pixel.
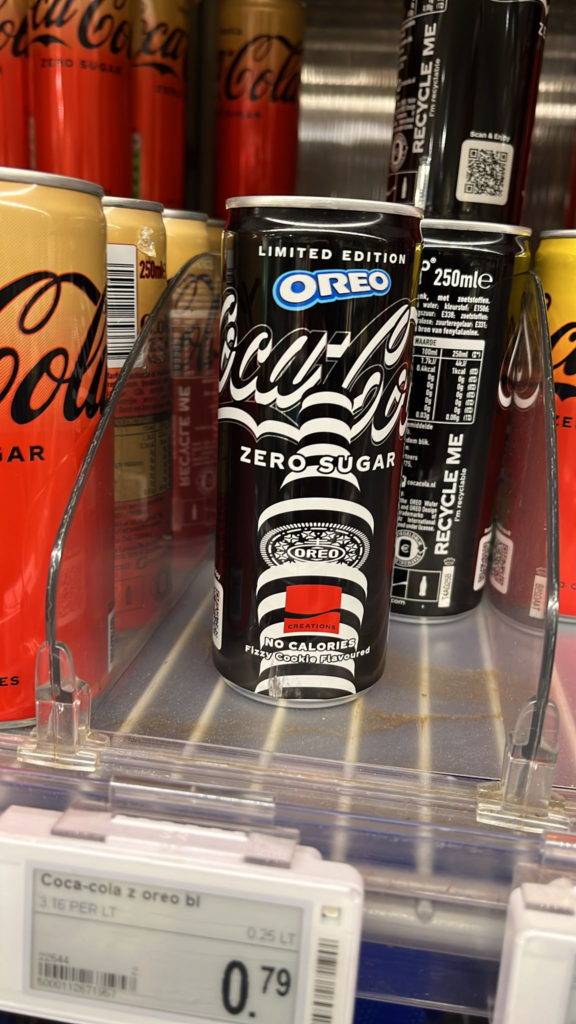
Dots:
pixel 560 233
pixel 476 225
pixel 133 204
pixel 20 177
pixel 185 215
pixel 215 222
pixel 324 203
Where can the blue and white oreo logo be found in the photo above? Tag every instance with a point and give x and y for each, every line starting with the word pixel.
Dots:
pixel 300 289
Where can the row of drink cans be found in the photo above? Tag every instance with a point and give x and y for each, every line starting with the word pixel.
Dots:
pixel 80 275
pixel 367 371
pixel 358 460
pixel 97 90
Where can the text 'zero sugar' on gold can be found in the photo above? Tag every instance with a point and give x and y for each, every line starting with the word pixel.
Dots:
pixel 142 486
pixel 194 382
pixel 52 393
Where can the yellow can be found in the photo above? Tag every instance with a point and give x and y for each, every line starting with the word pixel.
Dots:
pixel 556 267
pixel 215 229
pixel 52 393
pixel 136 251
pixel 194 383
pixel 186 237
pixel 142 428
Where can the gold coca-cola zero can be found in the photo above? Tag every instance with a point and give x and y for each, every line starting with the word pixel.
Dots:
pixel 52 394
pixel 142 434
pixel 194 382
pixel 215 229
pixel 260 45
pixel 186 237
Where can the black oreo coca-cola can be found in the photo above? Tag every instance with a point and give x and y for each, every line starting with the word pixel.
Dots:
pixel 469 309
pixel 468 75
pixel 316 338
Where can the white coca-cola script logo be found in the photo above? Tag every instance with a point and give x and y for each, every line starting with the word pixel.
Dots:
pixel 301 370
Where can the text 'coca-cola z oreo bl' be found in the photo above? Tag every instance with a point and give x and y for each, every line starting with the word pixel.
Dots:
pixel 316 338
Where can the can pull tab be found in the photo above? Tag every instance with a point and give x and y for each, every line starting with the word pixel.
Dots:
pixel 62 737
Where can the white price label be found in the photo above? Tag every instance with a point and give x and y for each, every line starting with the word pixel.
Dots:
pixel 196 953
pixel 168 921
pixel 538 967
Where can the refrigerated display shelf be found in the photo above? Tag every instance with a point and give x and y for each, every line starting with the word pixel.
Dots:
pixel 183 744
pixel 387 782
pixel 437 707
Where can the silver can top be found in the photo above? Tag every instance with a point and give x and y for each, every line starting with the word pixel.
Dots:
pixel 475 225
pixel 50 181
pixel 324 203
pixel 185 215
pixel 561 233
pixel 213 222
pixel 133 204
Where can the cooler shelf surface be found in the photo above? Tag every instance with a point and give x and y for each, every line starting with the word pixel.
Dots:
pixel 437 708
pixel 387 782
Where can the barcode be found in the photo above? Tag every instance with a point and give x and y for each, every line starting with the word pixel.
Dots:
pixel 217 613
pixel 122 305
pixel 325 983
pixel 539 595
pixel 482 561
pixel 484 172
pixel 501 562
pixel 111 639
pixel 84 976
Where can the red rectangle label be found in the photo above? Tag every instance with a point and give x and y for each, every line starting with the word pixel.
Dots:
pixel 312 608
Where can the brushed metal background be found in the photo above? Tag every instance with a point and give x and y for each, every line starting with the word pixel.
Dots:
pixel 348 94
pixel 347 105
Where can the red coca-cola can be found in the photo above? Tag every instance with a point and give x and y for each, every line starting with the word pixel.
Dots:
pixel 260 47
pixel 52 391
pixel 14 83
pixel 80 89
pixel 159 108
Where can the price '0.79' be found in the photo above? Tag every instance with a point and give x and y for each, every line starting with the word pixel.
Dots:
pixel 236 984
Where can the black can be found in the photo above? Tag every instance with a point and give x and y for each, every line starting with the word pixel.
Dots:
pixel 465 104
pixel 316 338
pixel 469 306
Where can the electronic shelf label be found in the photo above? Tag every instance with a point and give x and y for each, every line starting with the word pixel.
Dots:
pixel 108 917
pixel 538 972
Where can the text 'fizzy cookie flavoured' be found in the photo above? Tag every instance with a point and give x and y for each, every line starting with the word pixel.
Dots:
pixel 315 348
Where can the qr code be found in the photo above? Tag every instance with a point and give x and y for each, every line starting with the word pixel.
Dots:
pixel 484 172
pixel 501 562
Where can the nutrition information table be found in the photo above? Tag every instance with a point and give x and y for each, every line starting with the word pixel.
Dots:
pixel 446 367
